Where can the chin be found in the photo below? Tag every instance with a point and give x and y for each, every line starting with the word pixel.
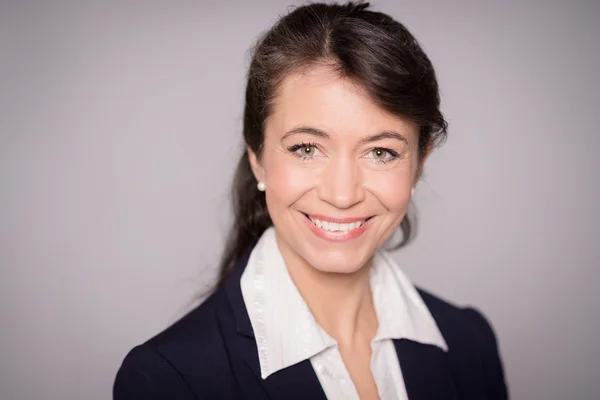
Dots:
pixel 336 262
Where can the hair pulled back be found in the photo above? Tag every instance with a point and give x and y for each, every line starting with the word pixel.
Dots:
pixel 368 47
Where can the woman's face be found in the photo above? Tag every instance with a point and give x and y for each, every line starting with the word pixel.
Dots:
pixel 338 171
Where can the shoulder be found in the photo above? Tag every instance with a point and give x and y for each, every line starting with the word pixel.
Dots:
pixel 460 326
pixel 188 357
pixel 471 342
pixel 453 320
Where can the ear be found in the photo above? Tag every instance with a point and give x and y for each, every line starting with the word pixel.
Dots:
pixel 257 168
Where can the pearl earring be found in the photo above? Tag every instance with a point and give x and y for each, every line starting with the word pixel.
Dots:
pixel 412 192
pixel 261 186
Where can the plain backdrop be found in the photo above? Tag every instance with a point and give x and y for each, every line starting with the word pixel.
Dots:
pixel 120 127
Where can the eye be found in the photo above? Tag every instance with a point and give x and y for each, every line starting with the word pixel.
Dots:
pixel 382 155
pixel 305 151
pixel 379 154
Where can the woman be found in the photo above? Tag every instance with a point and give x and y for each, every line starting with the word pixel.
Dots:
pixel 341 112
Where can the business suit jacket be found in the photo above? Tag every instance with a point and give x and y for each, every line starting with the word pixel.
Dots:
pixel 211 354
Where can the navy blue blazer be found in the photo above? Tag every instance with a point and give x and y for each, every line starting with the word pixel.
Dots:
pixel 211 354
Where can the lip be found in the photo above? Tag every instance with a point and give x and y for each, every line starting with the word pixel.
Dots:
pixel 337 236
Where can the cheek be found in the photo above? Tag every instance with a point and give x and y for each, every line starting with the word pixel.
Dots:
pixel 391 188
pixel 287 181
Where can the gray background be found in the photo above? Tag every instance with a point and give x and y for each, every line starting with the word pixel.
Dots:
pixel 120 127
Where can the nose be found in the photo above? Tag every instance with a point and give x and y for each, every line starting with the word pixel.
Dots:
pixel 341 183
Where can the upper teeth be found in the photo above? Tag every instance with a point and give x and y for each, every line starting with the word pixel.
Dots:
pixel 334 226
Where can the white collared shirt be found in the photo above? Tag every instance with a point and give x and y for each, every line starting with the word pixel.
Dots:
pixel 287 333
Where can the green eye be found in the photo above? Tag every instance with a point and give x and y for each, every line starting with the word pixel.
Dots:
pixel 307 150
pixel 379 154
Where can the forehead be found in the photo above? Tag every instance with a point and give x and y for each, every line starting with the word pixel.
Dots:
pixel 320 98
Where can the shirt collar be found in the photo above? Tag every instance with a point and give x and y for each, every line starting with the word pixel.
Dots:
pixel 285 330
pixel 401 312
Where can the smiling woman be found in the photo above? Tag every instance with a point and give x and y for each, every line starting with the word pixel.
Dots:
pixel 331 155
pixel 341 113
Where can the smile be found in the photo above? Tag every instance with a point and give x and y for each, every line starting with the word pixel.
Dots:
pixel 336 226
pixel 336 229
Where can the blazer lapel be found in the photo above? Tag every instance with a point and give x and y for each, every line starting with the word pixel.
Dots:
pixel 426 371
pixel 297 382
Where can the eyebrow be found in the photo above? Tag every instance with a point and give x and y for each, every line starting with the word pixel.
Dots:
pixel 384 135
pixel 368 139
pixel 305 129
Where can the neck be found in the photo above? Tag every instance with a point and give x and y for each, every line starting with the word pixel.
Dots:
pixel 340 302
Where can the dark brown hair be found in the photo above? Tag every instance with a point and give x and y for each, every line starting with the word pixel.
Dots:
pixel 368 47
